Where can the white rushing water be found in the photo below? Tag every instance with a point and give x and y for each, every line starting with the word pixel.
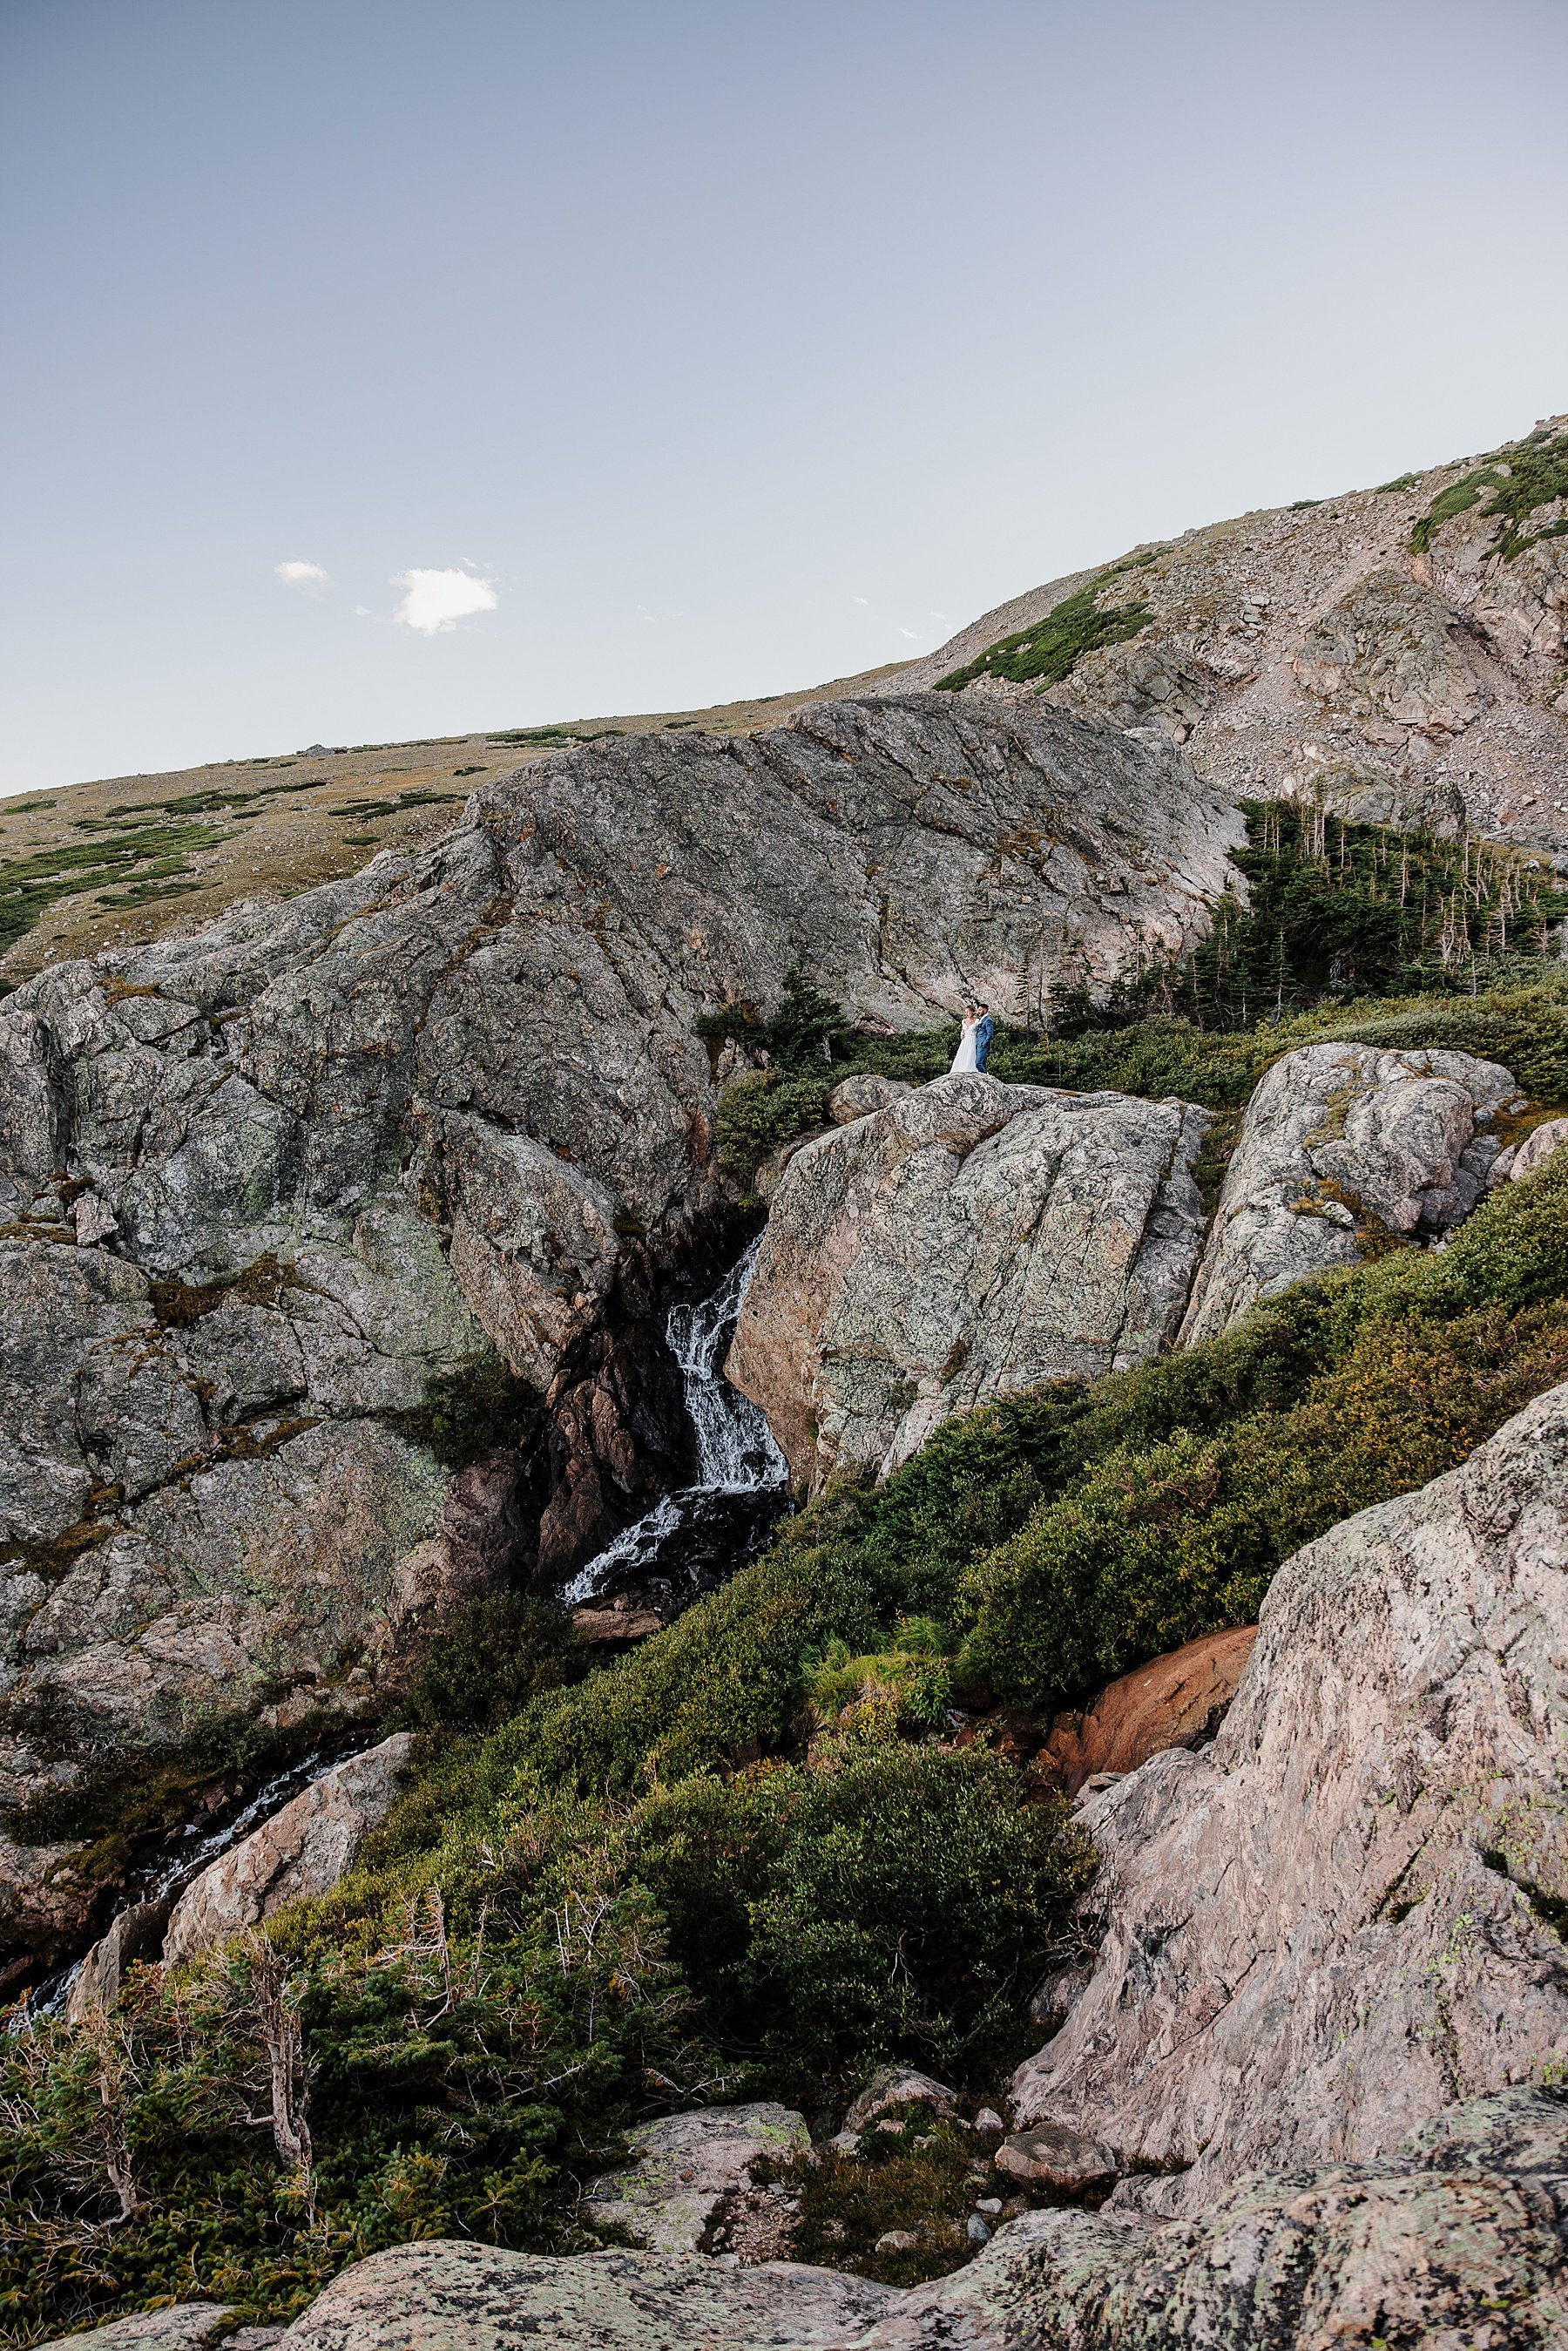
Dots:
pixel 735 1449
pixel 187 1853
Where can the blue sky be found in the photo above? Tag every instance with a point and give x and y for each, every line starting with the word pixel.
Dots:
pixel 707 350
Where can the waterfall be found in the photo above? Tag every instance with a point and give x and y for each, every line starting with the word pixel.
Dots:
pixel 736 1455
pixel 735 1449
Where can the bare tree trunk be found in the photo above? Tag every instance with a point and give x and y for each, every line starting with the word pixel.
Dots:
pixel 277 2022
pixel 111 2059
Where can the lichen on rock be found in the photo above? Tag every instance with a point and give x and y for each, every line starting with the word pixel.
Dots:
pixel 969 1240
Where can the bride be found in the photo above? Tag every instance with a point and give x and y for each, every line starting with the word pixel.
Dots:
pixel 964 1057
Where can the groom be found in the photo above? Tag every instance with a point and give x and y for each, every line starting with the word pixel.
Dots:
pixel 983 1035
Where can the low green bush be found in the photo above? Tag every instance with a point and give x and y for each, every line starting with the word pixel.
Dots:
pixel 1050 650
pixel 503 1651
pixel 895 1905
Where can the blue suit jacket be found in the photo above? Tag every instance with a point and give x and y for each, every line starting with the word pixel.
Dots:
pixel 983 1037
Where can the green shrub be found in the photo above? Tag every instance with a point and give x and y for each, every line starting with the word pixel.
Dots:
pixel 763 1109
pixel 451 2078
pixel 1051 648
pixel 504 1650
pixel 472 1410
pixel 895 1906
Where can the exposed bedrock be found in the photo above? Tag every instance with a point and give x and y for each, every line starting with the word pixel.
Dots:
pixel 260 1187
pixel 1338 1142
pixel 1458 2238
pixel 971 1238
pixel 302 1850
pixel 1346 1912
pixel 1313 652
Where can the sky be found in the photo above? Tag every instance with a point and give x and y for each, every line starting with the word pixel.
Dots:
pixel 378 370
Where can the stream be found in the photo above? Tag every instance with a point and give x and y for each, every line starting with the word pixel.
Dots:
pixel 693 1539
pixel 181 1856
pixel 689 1544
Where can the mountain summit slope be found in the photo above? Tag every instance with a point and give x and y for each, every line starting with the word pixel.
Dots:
pixel 1395 655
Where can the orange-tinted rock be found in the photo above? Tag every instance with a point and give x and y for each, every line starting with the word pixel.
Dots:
pixel 1168 1703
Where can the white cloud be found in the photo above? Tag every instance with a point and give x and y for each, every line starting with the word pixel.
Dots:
pixel 860 599
pixel 437 600
pixel 309 577
pixel 913 635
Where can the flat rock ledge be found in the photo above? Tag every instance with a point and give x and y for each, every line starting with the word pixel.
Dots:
pixel 967 1240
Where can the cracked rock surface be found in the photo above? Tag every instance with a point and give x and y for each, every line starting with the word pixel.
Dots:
pixel 1345 1913
pixel 260 1187
pixel 685 2166
pixel 1338 1140
pixel 970 1239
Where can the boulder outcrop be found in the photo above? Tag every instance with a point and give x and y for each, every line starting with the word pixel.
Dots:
pixel 266 1189
pixel 1338 1141
pixel 1319 653
pixel 450 2295
pixel 302 1851
pixel 1174 1701
pixel 1459 2237
pixel 136 1934
pixel 685 2166
pixel 1521 1159
pixel 183 2327
pixel 971 1238
pixel 1348 1910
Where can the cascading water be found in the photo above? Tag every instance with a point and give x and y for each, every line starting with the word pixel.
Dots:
pixel 743 1478
pixel 179 1858
pixel 687 1544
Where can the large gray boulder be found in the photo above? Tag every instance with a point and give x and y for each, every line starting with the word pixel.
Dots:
pixel 303 1850
pixel 971 1238
pixel 1338 1141
pixel 260 1187
pixel 685 2166
pixel 450 2295
pixel 183 2327
pixel 1349 1908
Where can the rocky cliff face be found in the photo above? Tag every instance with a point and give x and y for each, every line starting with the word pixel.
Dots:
pixel 1395 654
pixel 969 1240
pixel 261 1188
pixel 1343 1915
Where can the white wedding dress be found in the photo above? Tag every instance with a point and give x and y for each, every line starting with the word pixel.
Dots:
pixel 964 1057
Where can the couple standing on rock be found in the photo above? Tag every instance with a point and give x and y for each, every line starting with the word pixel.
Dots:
pixel 974 1037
